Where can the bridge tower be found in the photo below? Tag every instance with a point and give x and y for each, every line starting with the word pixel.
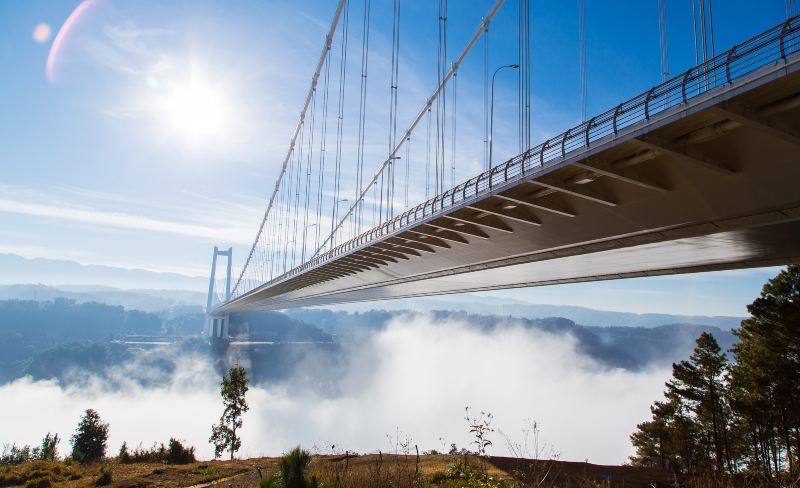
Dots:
pixel 217 326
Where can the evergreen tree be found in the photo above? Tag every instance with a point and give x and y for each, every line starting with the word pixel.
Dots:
pixel 233 388
pixel 700 384
pixel 766 377
pixel 720 418
pixel 89 441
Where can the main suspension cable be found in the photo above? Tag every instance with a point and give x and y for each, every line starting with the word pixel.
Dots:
pixel 314 78
pixel 432 99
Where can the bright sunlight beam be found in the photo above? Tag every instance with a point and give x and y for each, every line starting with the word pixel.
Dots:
pixel 197 111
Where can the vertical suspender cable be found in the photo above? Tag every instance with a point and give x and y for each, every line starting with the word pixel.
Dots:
pixel 428 160
pixel 711 27
pixel 528 78
pixel 340 121
pixel 703 36
pixel 486 98
pixel 307 193
pixel 441 102
pixel 296 206
pixel 582 42
pixel 662 39
pixel 524 76
pixel 408 166
pixel 453 133
pixel 322 151
pixel 396 82
pixel 393 83
pixel 520 75
pixel 362 114
pixel 694 30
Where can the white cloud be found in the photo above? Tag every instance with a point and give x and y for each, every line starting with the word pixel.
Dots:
pixel 416 376
pixel 125 221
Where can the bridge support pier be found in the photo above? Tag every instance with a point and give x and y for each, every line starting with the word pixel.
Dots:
pixel 217 326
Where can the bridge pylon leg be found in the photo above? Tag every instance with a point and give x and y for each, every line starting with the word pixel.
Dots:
pixel 217 326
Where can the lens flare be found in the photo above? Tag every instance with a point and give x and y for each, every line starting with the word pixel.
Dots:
pixel 58 42
pixel 41 33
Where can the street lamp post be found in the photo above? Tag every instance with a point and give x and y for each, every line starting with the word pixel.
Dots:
pixel 336 216
pixel 491 110
pixel 305 232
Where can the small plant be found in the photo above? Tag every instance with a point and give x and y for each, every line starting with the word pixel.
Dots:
pixel 466 477
pixel 292 472
pixel 49 448
pixel 124 456
pixel 15 455
pixel 40 482
pixel 480 428
pixel 536 462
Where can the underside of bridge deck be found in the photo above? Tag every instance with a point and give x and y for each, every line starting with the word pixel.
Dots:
pixel 710 185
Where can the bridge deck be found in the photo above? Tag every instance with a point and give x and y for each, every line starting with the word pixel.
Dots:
pixel 710 184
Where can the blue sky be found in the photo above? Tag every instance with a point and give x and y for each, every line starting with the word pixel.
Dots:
pixel 103 163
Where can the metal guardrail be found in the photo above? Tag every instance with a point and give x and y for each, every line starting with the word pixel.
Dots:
pixel 772 46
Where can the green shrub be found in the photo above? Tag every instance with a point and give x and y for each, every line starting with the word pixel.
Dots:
pixel 178 454
pixel 39 482
pixel 104 478
pixel 124 456
pixel 12 454
pixel 291 472
pixel 465 477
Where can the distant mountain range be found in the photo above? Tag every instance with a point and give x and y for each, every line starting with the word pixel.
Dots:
pixel 515 308
pixel 144 300
pixel 45 279
pixel 16 269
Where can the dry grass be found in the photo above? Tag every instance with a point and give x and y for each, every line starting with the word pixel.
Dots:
pixel 135 475
pixel 366 471
pixel 402 471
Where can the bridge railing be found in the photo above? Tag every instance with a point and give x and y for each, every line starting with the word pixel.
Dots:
pixel 771 47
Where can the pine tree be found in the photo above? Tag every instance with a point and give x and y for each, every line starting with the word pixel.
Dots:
pixel 89 441
pixel 700 383
pixel 233 388
pixel 766 377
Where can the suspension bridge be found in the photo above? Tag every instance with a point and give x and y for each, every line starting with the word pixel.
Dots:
pixel 698 173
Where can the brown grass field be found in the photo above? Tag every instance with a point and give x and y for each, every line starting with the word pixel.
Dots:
pixel 362 471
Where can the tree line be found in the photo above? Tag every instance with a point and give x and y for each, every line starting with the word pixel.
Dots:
pixel 737 417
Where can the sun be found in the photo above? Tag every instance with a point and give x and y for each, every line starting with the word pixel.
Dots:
pixel 197 111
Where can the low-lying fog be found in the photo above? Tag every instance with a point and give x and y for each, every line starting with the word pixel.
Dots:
pixel 416 376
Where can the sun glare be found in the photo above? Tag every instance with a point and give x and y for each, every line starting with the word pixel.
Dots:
pixel 196 111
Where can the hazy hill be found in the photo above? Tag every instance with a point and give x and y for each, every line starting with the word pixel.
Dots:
pixel 52 272
pixel 582 315
pixel 625 347
pixel 143 299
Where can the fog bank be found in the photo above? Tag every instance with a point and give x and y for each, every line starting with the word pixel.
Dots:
pixel 416 376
